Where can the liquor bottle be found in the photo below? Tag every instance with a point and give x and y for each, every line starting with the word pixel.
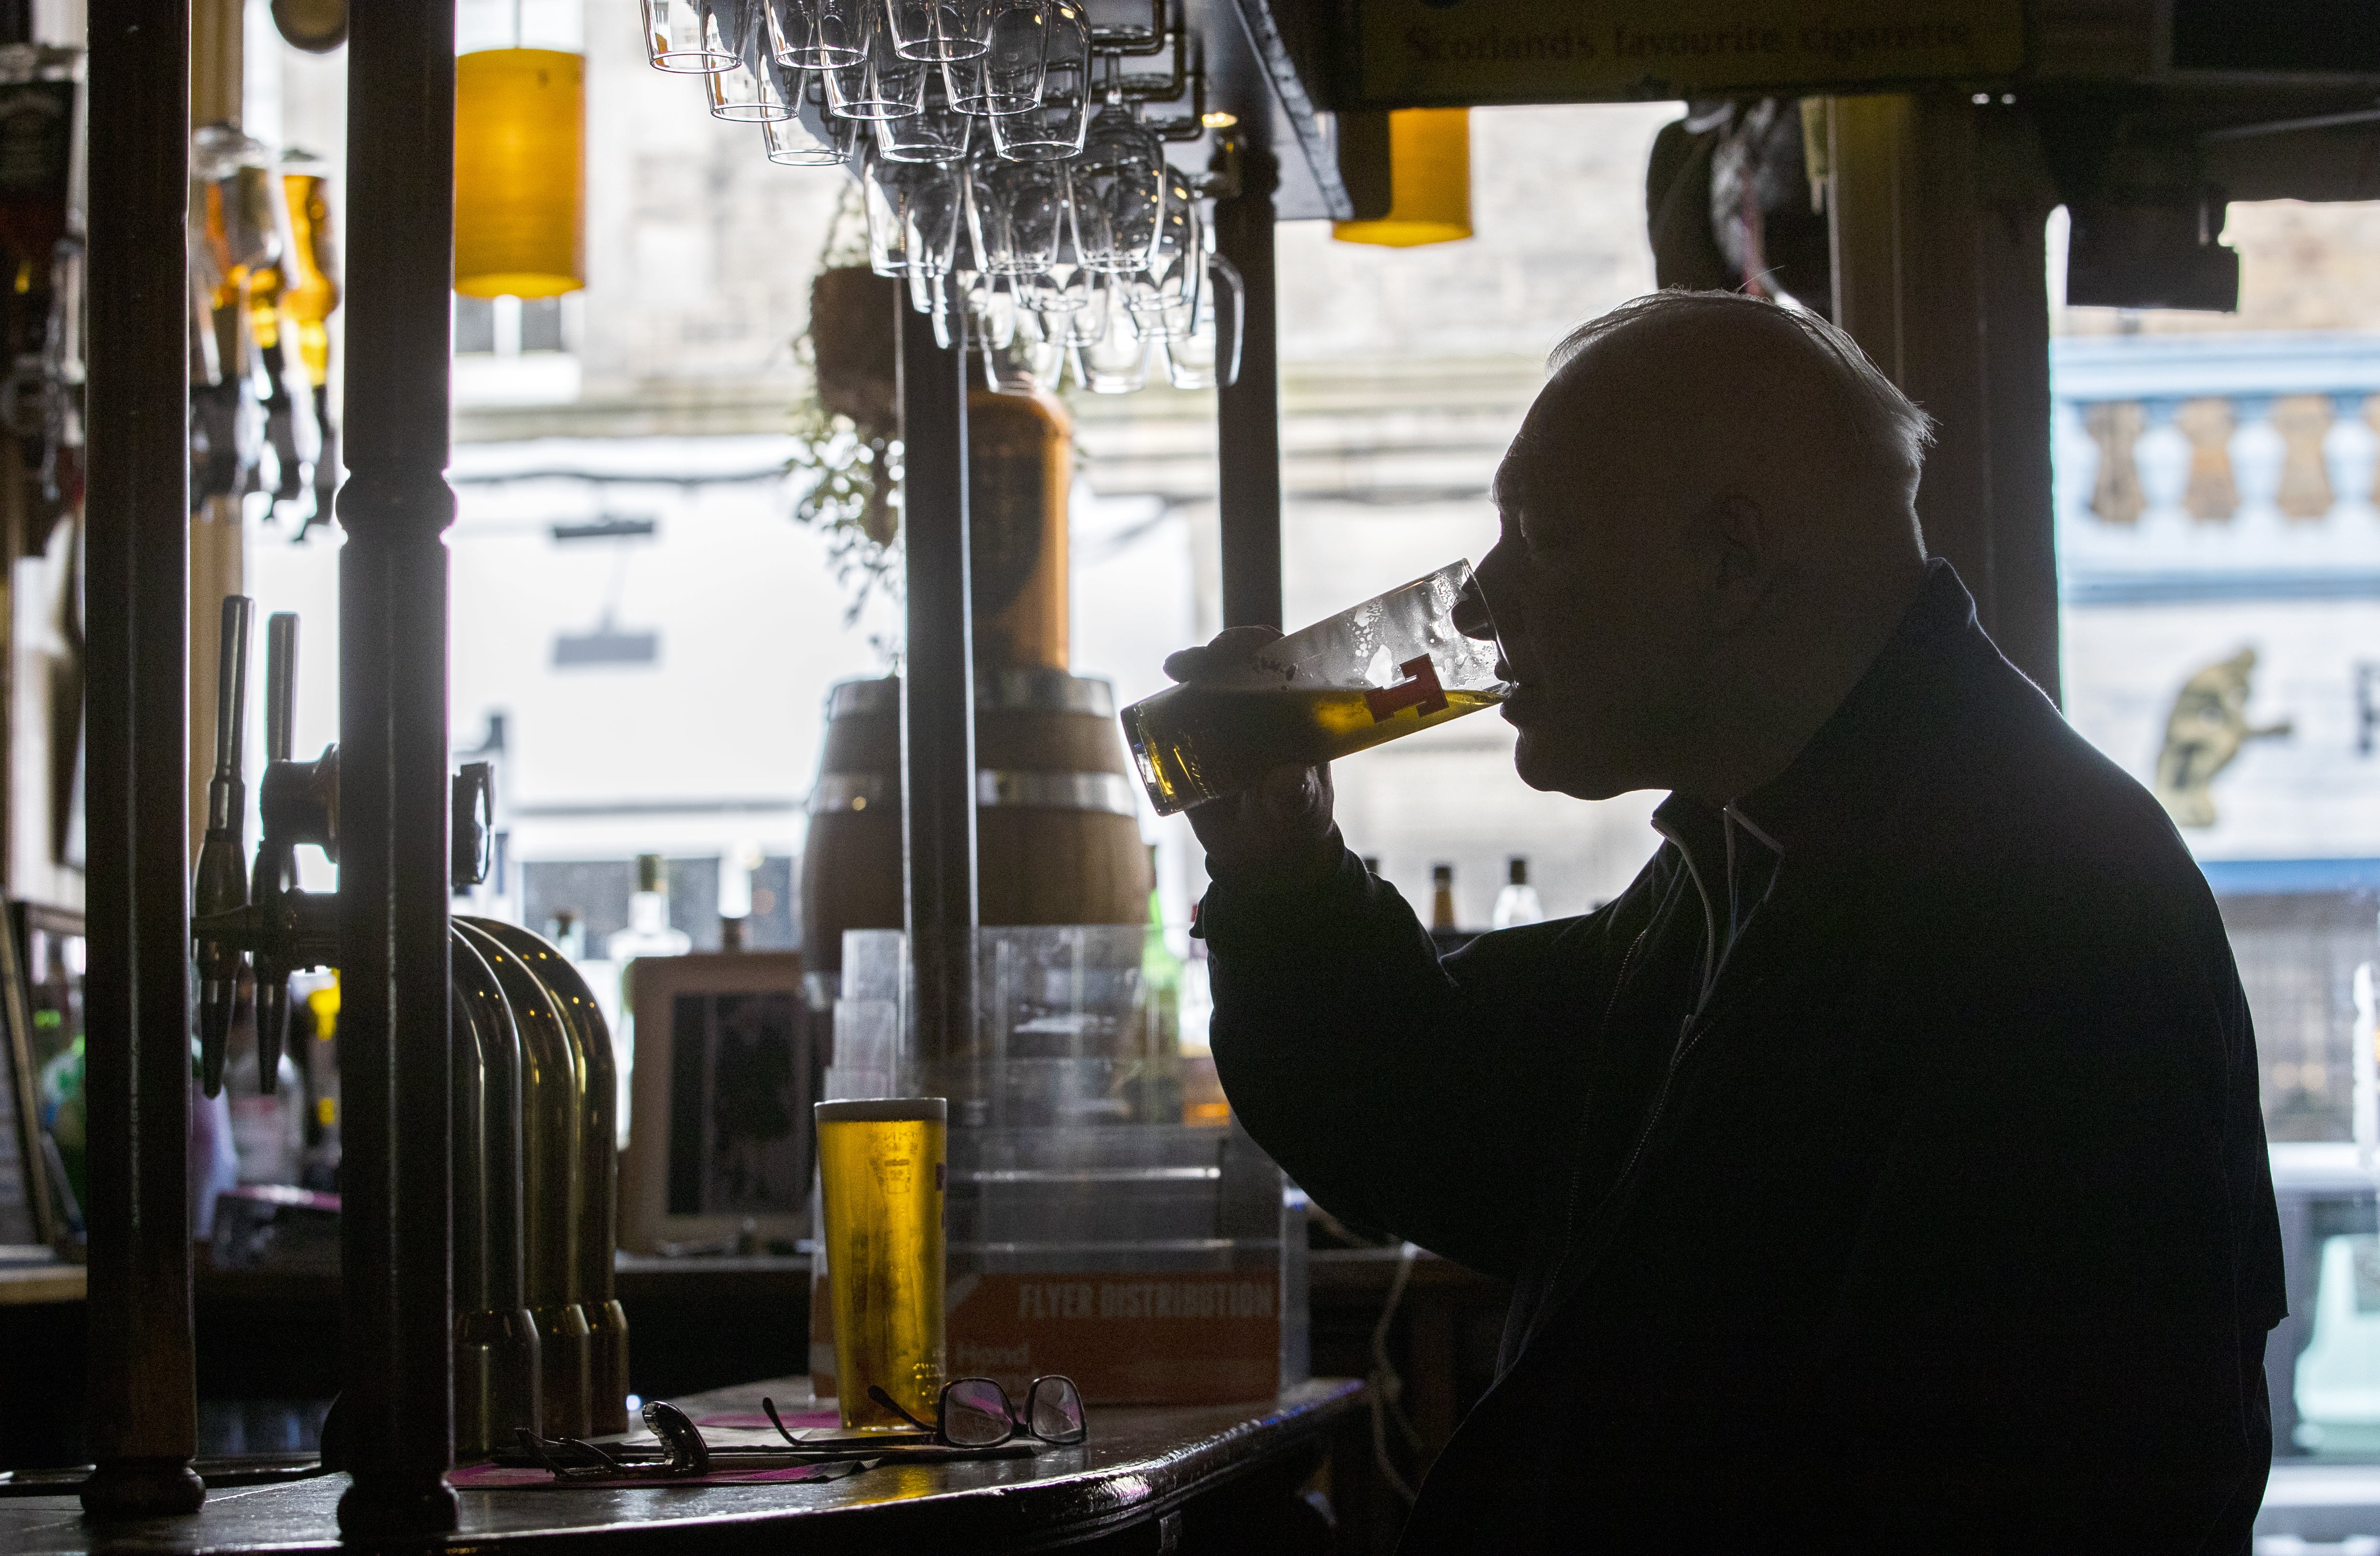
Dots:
pixel 309 296
pixel 267 1132
pixel 1517 903
pixel 1441 898
pixel 649 933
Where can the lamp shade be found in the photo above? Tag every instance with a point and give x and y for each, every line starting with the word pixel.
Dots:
pixel 521 160
pixel 1429 181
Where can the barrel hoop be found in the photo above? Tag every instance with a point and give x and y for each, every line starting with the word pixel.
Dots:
pixel 1110 793
pixel 1004 691
pixel 1043 691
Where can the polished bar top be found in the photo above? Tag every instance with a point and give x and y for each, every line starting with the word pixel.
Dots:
pixel 1139 1463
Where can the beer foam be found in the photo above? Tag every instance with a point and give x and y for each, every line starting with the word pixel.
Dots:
pixel 884 1109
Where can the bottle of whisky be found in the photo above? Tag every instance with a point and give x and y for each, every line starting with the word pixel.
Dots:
pixel 1517 903
pixel 1441 898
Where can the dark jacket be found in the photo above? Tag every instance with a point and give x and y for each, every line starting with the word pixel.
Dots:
pixel 1882 1171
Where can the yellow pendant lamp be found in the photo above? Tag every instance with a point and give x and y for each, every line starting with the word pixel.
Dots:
pixel 1429 182
pixel 520 163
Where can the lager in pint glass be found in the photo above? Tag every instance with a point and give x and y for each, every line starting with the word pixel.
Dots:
pixel 881 1169
pixel 1371 673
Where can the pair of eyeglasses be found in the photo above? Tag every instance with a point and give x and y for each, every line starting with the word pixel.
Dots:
pixel 978 1413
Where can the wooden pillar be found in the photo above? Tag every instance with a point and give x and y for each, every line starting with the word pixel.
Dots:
pixel 938 820
pixel 1248 415
pixel 395 1035
pixel 1934 226
pixel 143 1407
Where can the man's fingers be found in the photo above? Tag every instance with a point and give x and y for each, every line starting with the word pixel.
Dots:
pixel 1235 643
pixel 1226 650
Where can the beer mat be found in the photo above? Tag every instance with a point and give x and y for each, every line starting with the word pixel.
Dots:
pixel 504 1475
pixel 508 1477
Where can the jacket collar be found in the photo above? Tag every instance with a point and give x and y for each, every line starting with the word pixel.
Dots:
pixel 1829 796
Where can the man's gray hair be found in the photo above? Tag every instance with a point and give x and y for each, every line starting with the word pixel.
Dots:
pixel 1888 427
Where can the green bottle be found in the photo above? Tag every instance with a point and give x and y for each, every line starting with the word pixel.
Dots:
pixel 1160 1100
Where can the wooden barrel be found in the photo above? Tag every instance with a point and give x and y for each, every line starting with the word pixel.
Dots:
pixel 1057 821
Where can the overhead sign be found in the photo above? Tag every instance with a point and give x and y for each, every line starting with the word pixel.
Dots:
pixel 1473 53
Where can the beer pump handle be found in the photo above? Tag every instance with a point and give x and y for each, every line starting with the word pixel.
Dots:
pixel 275 855
pixel 222 885
pixel 280 683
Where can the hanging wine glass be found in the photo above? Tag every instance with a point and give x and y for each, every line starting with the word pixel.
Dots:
pixel 818 34
pixel 1052 127
pixel 881 85
pixel 759 88
pixel 679 37
pixel 1120 186
pixel 1117 362
pixel 792 144
pixel 1206 355
pixel 1007 77
pixel 1019 214
pixel 913 216
pixel 1164 297
pixel 939 133
pixel 935 30
pixel 1039 356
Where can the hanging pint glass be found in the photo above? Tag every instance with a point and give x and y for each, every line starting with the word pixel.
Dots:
pixel 881 1170
pixel 1371 673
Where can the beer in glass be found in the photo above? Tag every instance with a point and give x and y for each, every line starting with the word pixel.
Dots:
pixel 1373 673
pixel 881 1171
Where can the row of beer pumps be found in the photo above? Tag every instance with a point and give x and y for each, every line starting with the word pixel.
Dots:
pixel 540 1340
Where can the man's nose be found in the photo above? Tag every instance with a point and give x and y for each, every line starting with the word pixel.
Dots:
pixel 1472 617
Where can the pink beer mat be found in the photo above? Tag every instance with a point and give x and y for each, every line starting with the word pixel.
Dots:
pixel 498 1478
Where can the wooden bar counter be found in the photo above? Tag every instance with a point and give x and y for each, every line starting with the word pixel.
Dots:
pixel 1181 1477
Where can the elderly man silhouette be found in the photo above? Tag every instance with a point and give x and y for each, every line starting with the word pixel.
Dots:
pixel 1883 1170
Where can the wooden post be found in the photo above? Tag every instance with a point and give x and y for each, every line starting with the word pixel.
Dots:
pixel 1248 415
pixel 1931 245
pixel 143 1409
pixel 938 821
pixel 395 1041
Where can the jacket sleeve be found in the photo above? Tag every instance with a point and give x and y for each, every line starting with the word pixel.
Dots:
pixel 1405 1094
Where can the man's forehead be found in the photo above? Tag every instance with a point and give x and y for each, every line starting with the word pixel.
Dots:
pixel 1573 427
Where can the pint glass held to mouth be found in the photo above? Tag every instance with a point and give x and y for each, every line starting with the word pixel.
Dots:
pixel 881 1176
pixel 1371 673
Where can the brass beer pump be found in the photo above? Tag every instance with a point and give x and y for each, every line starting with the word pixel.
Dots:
pixel 540 1340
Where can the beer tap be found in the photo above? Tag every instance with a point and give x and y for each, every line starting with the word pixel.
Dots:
pixel 267 916
pixel 262 914
pixel 276 852
pixel 222 855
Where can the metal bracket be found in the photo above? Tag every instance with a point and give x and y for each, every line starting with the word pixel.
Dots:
pixel 1134 41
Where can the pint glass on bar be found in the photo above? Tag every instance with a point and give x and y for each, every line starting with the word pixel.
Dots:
pixel 1371 673
pixel 880 1166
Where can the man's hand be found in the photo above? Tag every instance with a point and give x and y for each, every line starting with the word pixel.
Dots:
pixel 1280 828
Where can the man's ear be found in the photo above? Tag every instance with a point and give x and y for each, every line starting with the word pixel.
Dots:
pixel 1739 546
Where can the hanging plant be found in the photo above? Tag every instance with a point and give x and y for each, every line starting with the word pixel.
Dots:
pixel 847 464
